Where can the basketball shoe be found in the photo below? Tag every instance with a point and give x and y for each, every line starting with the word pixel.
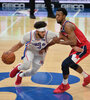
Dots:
pixel 19 79
pixel 14 71
pixel 86 81
pixel 62 88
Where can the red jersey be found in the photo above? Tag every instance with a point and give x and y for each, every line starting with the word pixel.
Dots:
pixel 81 39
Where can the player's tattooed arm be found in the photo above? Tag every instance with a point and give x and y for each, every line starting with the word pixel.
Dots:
pixel 46 48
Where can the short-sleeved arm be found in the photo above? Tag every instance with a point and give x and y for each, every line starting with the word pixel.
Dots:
pixel 25 38
pixel 51 35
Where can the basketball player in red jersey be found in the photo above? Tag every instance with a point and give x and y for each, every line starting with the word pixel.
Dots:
pixel 74 37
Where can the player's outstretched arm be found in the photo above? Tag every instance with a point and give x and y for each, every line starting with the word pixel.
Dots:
pixel 46 48
pixel 15 47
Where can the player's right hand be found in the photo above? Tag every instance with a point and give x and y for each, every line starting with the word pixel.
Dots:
pixel 43 50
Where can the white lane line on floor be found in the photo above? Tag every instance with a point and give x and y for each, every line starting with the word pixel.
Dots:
pixel 5 31
pixel 76 13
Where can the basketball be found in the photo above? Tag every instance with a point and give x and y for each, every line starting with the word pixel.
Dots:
pixel 8 58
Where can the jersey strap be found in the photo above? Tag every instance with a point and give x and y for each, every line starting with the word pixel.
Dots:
pixel 63 26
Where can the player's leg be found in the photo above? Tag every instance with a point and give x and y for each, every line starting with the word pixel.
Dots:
pixel 28 72
pixel 65 69
pixel 49 8
pixel 86 77
pixel 36 64
pixel 72 61
pixel 27 61
pixel 31 71
pixel 77 57
pixel 25 65
pixel 32 8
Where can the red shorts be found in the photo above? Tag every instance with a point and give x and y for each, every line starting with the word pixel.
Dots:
pixel 78 56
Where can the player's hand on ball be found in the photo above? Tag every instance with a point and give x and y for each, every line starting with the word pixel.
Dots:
pixel 8 57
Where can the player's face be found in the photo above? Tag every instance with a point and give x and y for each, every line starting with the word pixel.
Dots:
pixel 41 34
pixel 60 17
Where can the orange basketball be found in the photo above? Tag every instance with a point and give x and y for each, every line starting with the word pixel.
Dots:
pixel 8 58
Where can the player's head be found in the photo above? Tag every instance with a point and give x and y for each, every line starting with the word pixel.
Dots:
pixel 61 13
pixel 40 27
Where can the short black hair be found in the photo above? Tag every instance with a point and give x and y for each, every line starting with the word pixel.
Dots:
pixel 63 10
pixel 40 24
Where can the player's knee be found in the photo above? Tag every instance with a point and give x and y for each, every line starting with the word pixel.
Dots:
pixel 65 68
pixel 74 66
pixel 35 68
pixel 26 65
pixel 33 72
pixel 66 63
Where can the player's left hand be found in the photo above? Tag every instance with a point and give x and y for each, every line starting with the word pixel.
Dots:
pixel 43 50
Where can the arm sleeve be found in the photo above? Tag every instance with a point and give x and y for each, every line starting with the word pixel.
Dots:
pixel 25 38
pixel 51 35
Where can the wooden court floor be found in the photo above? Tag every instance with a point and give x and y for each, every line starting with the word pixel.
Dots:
pixel 11 31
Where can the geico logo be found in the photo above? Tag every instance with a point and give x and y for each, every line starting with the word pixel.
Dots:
pixel 52 5
pixel 12 8
pixel 13 5
pixel 43 5
pixel 72 5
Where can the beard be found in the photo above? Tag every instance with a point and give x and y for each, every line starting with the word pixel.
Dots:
pixel 40 36
pixel 59 22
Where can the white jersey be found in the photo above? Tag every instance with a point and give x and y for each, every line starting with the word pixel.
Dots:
pixel 31 55
pixel 34 44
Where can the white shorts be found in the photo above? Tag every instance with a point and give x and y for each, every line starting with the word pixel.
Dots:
pixel 35 57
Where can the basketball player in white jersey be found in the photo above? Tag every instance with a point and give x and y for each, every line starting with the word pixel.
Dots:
pixel 34 41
